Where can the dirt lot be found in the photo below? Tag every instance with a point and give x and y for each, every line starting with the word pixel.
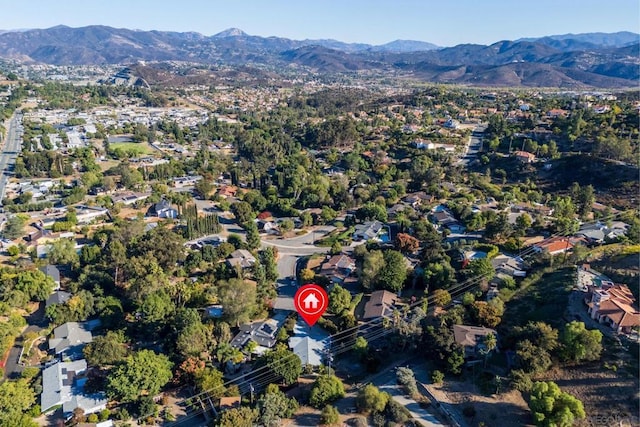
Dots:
pixel 603 392
pixel 504 410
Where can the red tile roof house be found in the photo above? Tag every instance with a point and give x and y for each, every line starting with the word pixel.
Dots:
pixel 525 157
pixel 554 246
pixel 613 306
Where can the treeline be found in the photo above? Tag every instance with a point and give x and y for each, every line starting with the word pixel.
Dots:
pixel 196 226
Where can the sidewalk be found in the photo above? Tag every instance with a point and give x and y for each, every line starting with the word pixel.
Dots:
pixel 417 412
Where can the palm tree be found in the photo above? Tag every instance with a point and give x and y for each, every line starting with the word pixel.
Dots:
pixel 490 342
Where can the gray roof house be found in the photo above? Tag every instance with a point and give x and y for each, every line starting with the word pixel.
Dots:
pixel 63 384
pixel 262 332
pixel 58 297
pixel 53 272
pixel 70 338
pixel 241 258
pixel 367 231
pixel 164 210
pixel 310 344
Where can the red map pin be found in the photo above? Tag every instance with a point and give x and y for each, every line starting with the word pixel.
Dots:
pixel 311 301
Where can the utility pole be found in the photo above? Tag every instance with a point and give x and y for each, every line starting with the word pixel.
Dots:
pixel 251 390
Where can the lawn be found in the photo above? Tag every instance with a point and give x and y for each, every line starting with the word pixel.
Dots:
pixel 131 147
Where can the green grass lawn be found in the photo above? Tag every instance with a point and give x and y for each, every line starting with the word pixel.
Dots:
pixel 132 147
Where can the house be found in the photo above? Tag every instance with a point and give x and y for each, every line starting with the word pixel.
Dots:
pixel 227 191
pixel 418 199
pixel 471 338
pixel 597 233
pixel 510 265
pixel 338 268
pixel 380 304
pixel 129 198
pixel 86 214
pixel 263 332
pixel 58 297
pixel 613 305
pixel 370 230
pixel 443 218
pixel 241 258
pixel 53 272
pixel 163 209
pixel 309 344
pixel 70 339
pixel 554 246
pixel 269 227
pixel 524 157
pixel 63 384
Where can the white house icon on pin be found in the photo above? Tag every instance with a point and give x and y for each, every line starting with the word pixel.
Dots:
pixel 311 301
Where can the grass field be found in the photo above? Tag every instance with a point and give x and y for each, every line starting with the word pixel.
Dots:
pixel 131 147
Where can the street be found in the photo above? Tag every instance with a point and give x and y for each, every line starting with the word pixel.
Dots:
pixel 474 146
pixel 10 151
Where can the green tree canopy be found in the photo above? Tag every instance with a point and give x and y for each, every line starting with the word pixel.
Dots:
pixel 552 407
pixel 326 389
pixel 274 405
pixel 238 299
pixel 371 399
pixel 144 372
pixel 16 397
pixel 106 350
pixel 579 343
pixel 394 272
pixel 283 363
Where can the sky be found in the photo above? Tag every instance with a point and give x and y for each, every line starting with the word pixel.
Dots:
pixel 443 22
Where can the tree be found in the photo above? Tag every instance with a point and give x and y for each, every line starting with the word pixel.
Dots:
pixel 330 415
pixel 372 211
pixel 373 263
pixel 243 212
pixel 488 313
pixel 336 248
pixel 274 405
pixel 482 268
pixel 406 243
pixel 63 251
pixel 455 361
pixel 14 227
pixel 282 363
pixel 237 417
pixel 437 377
pixel 253 235
pixel 16 397
pixel 579 343
pixel 361 347
pixel 210 380
pixel 339 299
pixel 394 273
pixel 441 297
pixel 106 350
pixel 326 389
pixel 532 359
pixel 238 299
pixel 307 275
pixel 143 372
pixel 552 407
pixel 371 399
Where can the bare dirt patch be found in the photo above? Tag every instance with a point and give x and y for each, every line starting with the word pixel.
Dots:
pixel 603 392
pixel 505 409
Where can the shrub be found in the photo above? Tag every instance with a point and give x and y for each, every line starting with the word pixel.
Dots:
pixel 407 378
pixel 330 415
pixel 437 377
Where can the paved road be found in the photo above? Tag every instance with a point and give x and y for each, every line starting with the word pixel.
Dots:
pixel 10 151
pixel 473 147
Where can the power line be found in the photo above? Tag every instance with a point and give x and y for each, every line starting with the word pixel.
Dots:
pixel 343 337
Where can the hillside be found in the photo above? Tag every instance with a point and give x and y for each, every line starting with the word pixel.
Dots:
pixel 558 61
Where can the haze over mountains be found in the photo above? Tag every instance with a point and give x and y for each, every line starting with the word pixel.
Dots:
pixel 568 61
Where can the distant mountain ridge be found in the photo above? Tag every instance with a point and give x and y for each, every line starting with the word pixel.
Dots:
pixel 580 60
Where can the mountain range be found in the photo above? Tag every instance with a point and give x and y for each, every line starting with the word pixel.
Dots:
pixel 567 61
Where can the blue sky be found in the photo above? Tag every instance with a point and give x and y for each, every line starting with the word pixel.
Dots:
pixel 443 22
